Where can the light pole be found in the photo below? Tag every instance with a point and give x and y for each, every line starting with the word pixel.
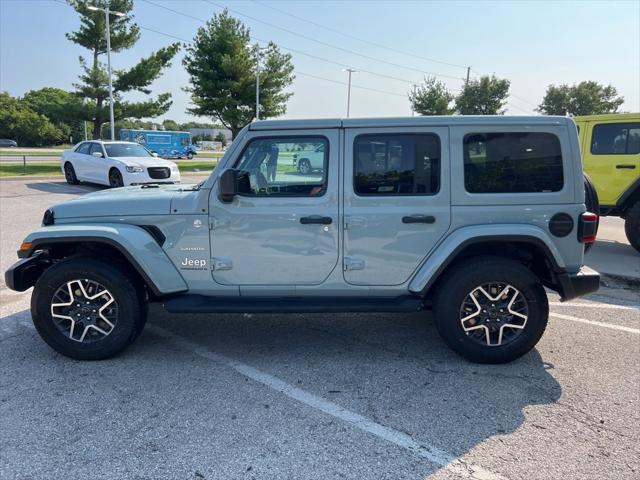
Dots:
pixel 108 34
pixel 350 70
pixel 414 87
pixel 258 50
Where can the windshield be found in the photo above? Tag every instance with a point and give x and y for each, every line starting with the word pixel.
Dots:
pixel 126 150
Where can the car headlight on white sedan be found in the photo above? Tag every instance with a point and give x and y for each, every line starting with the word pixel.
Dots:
pixel 134 168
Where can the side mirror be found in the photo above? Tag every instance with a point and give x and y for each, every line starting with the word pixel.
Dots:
pixel 154 154
pixel 97 154
pixel 228 185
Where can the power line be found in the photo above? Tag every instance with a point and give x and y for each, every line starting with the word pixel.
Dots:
pixel 511 94
pixel 375 44
pixel 297 72
pixel 294 50
pixel 326 44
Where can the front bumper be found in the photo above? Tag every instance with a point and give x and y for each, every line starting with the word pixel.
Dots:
pixel 572 285
pixel 25 272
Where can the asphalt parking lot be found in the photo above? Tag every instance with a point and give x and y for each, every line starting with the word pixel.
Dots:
pixel 366 396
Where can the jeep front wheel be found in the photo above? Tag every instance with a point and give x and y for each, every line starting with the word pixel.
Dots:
pixel 86 309
pixel 632 226
pixel 490 309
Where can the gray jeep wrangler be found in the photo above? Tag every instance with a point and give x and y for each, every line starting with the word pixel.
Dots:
pixel 468 216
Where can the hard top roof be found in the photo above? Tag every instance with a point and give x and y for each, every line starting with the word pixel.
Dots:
pixel 407 122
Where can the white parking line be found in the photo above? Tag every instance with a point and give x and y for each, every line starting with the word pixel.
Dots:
pixel 431 453
pixel 594 305
pixel 597 324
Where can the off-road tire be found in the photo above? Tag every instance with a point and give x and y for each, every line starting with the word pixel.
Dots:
pixel 126 294
pixel 115 178
pixel 592 203
pixel 70 174
pixel 632 226
pixel 461 280
pixel 190 156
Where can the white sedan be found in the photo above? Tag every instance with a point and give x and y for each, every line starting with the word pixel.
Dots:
pixel 116 164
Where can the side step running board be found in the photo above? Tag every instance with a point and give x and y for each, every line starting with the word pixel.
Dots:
pixel 187 303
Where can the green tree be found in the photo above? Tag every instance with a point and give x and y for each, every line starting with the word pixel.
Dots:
pixel 221 63
pixel 27 127
pixel 431 98
pixel 585 98
pixel 221 138
pixel 62 108
pixel 484 96
pixel 93 85
pixel 171 125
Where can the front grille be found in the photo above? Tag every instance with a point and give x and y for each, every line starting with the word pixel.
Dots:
pixel 159 172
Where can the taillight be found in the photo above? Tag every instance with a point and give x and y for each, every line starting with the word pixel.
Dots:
pixel 587 227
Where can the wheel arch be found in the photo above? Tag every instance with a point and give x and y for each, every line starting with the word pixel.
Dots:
pixel 131 245
pixel 529 248
pixel 630 197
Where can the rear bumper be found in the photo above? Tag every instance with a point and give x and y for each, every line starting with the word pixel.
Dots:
pixel 572 285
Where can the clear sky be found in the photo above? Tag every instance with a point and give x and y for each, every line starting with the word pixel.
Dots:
pixel 533 44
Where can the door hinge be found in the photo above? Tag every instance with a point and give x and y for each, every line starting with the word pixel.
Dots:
pixel 218 223
pixel 353 263
pixel 350 222
pixel 221 263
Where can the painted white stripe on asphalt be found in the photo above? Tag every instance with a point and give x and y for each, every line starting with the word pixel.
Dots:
pixel 597 324
pixel 594 305
pixel 433 454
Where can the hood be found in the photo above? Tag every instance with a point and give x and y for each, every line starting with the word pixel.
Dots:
pixel 123 202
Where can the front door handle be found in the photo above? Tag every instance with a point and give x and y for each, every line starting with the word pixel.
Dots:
pixel 626 165
pixel 419 219
pixel 317 219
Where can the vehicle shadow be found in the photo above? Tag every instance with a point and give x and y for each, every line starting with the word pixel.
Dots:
pixel 391 368
pixel 64 188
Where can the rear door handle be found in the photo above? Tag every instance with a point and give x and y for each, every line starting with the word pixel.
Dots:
pixel 317 219
pixel 625 165
pixel 419 219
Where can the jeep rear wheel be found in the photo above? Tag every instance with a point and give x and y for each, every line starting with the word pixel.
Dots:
pixel 490 309
pixel 87 309
pixel 632 226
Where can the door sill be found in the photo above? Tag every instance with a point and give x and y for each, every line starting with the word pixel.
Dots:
pixel 188 303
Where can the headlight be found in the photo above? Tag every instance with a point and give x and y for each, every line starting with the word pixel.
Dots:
pixel 133 169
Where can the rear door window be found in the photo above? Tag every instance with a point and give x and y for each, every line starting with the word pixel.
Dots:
pixel 396 164
pixel 512 162
pixel 615 139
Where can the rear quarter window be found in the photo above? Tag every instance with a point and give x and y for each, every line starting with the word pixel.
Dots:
pixel 512 162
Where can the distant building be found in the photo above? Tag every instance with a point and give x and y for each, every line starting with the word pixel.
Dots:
pixel 212 132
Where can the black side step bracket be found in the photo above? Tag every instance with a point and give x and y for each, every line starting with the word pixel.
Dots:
pixel 188 303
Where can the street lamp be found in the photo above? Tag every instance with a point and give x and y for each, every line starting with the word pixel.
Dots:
pixel 350 70
pixel 258 50
pixel 108 33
